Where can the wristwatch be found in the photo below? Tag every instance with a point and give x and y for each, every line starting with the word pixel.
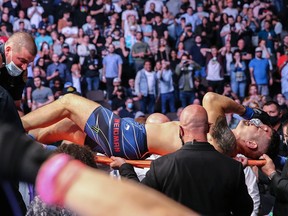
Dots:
pixel 272 174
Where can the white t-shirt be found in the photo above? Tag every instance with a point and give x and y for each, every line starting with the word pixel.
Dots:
pixel 150 79
pixel 36 18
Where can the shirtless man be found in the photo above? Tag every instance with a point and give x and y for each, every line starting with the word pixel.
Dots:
pixel 69 116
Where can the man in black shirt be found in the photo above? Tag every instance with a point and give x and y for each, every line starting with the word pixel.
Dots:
pixel 15 56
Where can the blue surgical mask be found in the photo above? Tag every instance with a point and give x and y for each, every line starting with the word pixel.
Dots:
pixel 13 69
pixel 130 105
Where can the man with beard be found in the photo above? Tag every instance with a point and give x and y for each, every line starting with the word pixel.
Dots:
pixel 273 110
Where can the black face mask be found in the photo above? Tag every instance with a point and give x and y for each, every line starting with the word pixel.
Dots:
pixel 274 120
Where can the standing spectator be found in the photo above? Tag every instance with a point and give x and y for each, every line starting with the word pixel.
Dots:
pixel 34 13
pixel 205 30
pixel 260 73
pixel 158 4
pixel 165 78
pixel 199 15
pixel 237 75
pixel 188 39
pixel 127 13
pixel 184 70
pixel 63 22
pixel 67 57
pixel 80 13
pixel 197 56
pixel 57 70
pixel 160 27
pixel 97 39
pixel 151 14
pixel 140 51
pixel 91 65
pixel 189 18
pixel 230 10
pixel 78 82
pixel 124 52
pixel 48 7
pixel 283 69
pixel 41 96
pixel 83 49
pixel 21 17
pixel 268 35
pixel 214 68
pixel 163 51
pixel 154 44
pixel 146 87
pixel 5 20
pixel 97 11
pixel 43 37
pixel 146 29
pixel 283 49
pixel 4 31
pixel 230 32
pixel 112 68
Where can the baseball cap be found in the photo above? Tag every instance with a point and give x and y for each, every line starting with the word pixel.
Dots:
pixel 44 27
pixel 139 114
pixel 246 5
pixel 133 28
pixel 116 80
pixel 65 45
pixel 258 49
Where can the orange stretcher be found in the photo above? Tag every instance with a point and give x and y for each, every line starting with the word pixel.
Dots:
pixel 146 163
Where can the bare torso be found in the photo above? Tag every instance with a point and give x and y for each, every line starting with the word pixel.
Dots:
pixel 163 138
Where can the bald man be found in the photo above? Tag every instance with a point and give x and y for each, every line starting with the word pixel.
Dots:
pixel 72 115
pixel 182 175
pixel 157 118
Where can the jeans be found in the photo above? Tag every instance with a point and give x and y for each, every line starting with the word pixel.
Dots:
pixel 187 98
pixel 92 83
pixel 148 103
pixel 263 89
pixel 170 99
pixel 201 73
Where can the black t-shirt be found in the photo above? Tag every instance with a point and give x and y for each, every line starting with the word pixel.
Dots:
pixel 100 17
pixel 160 29
pixel 70 59
pixel 151 15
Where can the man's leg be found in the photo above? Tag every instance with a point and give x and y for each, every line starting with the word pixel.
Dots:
pixel 76 108
pixel 62 130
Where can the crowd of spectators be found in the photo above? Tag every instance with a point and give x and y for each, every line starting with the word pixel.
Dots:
pixel 157 55
pixel 158 51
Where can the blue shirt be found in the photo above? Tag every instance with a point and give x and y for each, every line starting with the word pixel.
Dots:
pixel 260 70
pixel 112 62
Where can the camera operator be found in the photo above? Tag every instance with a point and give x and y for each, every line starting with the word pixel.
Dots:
pixel 230 31
pixel 185 71
pixel 165 77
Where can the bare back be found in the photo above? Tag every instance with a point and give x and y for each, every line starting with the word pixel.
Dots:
pixel 163 138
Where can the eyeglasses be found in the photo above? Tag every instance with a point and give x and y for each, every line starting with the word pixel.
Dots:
pixel 255 122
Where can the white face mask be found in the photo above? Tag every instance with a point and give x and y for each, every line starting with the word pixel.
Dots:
pixel 13 69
